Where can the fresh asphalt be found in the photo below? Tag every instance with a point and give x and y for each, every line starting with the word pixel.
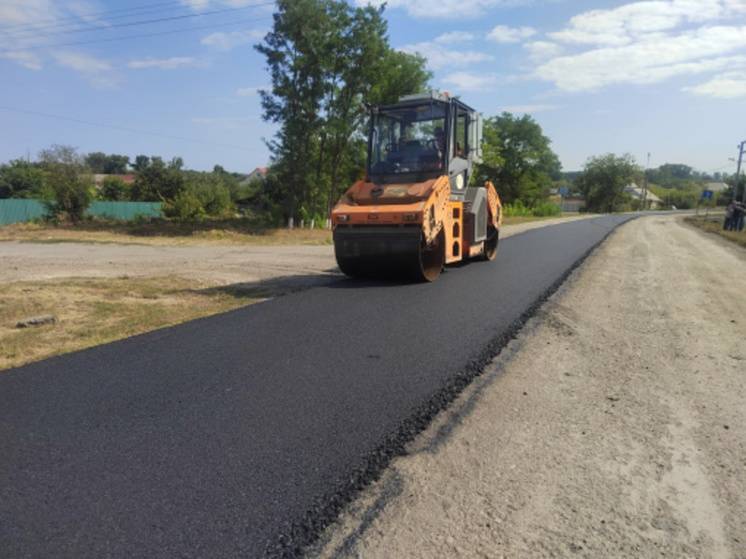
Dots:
pixel 242 434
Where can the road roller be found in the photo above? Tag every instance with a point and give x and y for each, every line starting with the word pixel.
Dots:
pixel 417 209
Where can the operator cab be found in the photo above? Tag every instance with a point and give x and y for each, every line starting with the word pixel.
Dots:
pixel 424 137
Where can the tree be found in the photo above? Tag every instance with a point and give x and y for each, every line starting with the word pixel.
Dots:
pixel 156 181
pixel 141 163
pixel 518 159
pixel 327 60
pixel 101 163
pixel 603 180
pixel 114 189
pixel 21 179
pixel 69 190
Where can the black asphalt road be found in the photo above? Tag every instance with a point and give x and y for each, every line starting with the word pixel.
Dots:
pixel 239 435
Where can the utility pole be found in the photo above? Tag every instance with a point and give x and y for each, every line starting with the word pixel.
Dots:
pixel 644 197
pixel 738 173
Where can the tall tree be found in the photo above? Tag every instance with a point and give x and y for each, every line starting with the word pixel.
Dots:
pixel 603 180
pixel 327 60
pixel 518 159
pixel 297 56
pixel 99 162
pixel 157 181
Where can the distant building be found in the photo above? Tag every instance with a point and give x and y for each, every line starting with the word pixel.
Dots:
pixel 258 173
pixel 636 193
pixel 99 179
pixel 716 186
pixel 572 203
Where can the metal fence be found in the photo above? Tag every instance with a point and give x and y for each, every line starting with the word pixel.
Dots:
pixel 14 210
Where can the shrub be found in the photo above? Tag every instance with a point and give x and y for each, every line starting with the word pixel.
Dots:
pixel 186 206
pixel 546 209
pixel 68 190
pixel 542 209
pixel 114 189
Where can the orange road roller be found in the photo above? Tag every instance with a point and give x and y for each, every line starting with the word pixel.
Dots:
pixel 417 211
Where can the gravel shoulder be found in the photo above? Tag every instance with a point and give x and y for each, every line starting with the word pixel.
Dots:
pixel 298 265
pixel 613 426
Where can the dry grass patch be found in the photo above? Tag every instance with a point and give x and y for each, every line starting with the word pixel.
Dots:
pixel 90 312
pixel 715 225
pixel 164 233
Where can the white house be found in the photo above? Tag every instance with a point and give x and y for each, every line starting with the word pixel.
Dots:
pixel 652 201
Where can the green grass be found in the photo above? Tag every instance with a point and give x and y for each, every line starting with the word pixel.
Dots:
pixel 90 311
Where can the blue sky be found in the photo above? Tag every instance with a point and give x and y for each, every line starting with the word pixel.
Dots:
pixel 666 77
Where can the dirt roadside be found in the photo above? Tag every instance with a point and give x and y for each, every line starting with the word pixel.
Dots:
pixel 208 263
pixel 613 426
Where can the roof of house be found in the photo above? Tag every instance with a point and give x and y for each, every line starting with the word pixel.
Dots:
pixel 716 186
pixel 636 192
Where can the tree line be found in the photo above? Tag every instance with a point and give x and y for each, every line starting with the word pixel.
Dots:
pixel 64 179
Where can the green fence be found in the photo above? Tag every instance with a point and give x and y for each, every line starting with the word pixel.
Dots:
pixel 13 210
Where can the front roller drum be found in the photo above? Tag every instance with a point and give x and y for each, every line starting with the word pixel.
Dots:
pixel 388 252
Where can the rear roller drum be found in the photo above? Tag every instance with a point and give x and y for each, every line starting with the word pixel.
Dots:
pixel 490 244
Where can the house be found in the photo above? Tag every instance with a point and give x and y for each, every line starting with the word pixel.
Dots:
pixel 652 201
pixel 260 173
pixel 99 179
pixel 716 187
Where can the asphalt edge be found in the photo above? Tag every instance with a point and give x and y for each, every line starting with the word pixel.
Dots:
pixel 296 538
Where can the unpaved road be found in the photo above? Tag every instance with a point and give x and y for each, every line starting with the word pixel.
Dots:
pixel 613 426
pixel 220 265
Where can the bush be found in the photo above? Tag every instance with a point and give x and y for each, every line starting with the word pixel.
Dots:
pixel 186 206
pixel 21 179
pixel 516 209
pixel 546 209
pixel 114 189
pixel 68 191
pixel 542 209
pixel 68 194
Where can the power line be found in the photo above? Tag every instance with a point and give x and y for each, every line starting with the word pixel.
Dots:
pixel 145 35
pixel 123 128
pixel 74 22
pixel 105 13
pixel 156 20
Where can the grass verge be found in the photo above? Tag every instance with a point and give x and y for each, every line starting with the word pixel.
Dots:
pixel 715 225
pixel 90 312
pixel 163 233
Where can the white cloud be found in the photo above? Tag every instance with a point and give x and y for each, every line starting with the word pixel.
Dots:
pixel 162 63
pixel 505 34
pixel 251 90
pixel 624 24
pixel 730 85
pixel 467 81
pixel 99 72
pixel 444 8
pixel 643 42
pixel 230 40
pixel 27 12
pixel 454 37
pixel 543 50
pixel 80 62
pixel 648 60
pixel 24 58
pixel 528 109
pixel 441 56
